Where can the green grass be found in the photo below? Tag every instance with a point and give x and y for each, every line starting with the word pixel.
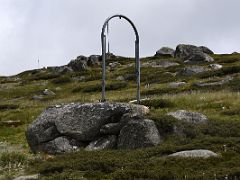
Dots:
pixel 221 104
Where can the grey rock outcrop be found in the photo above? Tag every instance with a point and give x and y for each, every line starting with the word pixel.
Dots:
pixel 79 64
pixel 187 116
pixel 216 83
pixel 64 128
pixel 192 54
pixel 200 153
pixel 160 64
pixel 61 69
pixel 94 60
pixel 138 133
pixel 165 51
pixel 82 62
pixel 189 71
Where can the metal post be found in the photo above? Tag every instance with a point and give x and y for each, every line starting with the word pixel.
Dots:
pixel 137 59
pixel 103 68
pixel 108 38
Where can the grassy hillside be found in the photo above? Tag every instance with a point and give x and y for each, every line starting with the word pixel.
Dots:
pixel 219 102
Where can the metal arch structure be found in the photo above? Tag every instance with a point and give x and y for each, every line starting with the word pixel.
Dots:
pixel 137 59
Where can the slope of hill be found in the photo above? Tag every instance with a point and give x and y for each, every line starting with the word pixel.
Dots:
pixel 168 83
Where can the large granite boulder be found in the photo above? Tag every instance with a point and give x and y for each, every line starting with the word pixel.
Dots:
pixel 64 128
pixel 165 51
pixel 78 64
pixel 138 133
pixel 192 54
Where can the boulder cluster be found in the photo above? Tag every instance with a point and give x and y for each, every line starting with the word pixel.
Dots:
pixel 188 53
pixel 93 126
pixel 83 62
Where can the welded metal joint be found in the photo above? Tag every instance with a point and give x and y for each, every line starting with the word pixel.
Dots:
pixel 137 58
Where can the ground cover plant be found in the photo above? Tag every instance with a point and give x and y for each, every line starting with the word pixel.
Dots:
pixel 22 99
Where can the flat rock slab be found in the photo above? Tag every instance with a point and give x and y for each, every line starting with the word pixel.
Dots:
pixel 201 153
pixel 28 177
pixel 187 116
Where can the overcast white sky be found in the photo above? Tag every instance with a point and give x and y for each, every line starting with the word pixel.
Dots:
pixel 56 31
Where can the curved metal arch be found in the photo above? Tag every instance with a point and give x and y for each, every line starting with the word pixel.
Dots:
pixel 137 59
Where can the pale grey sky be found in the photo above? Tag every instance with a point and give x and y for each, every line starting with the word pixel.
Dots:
pixel 56 31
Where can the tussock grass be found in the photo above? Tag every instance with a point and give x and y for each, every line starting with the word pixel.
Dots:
pixel 220 104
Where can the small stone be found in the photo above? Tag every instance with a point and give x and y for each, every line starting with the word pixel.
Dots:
pixel 114 65
pixel 120 78
pixel 108 142
pixel 177 84
pixel 48 92
pixel 38 97
pixel 215 66
pixel 58 89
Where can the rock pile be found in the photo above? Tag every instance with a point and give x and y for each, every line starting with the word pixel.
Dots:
pixel 82 62
pixel 93 126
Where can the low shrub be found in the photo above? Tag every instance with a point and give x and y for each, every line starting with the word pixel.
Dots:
pixel 158 103
pixel 8 106
pixel 98 87
pixel 221 72
pixel 12 159
pixel 62 80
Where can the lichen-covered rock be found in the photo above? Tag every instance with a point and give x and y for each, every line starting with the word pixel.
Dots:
pixel 192 54
pixel 80 122
pixel 200 153
pixel 108 142
pixel 187 116
pixel 138 133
